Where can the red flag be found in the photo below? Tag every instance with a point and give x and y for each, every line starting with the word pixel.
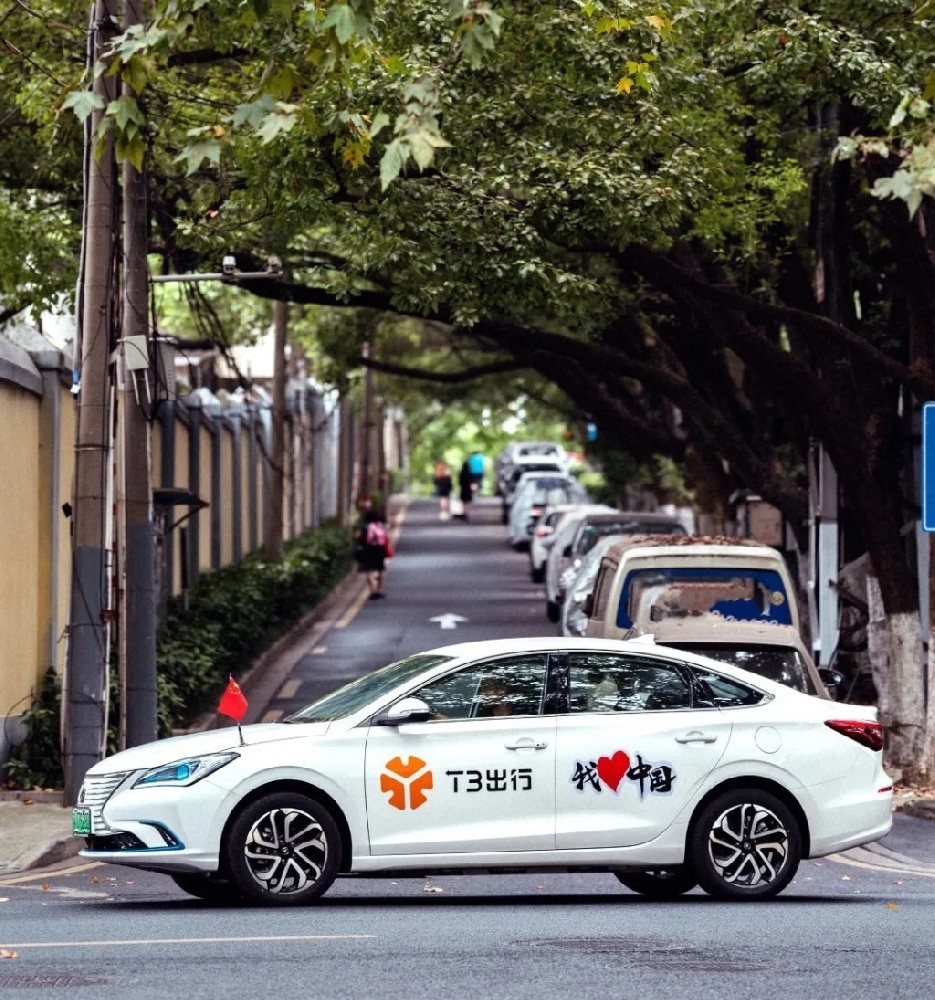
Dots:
pixel 232 701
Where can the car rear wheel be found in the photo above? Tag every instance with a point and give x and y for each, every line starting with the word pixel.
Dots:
pixel 283 850
pixel 209 888
pixel 667 883
pixel 745 844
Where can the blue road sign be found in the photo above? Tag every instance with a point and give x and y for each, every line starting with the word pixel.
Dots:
pixel 928 467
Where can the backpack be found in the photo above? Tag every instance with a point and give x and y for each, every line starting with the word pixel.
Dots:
pixel 376 534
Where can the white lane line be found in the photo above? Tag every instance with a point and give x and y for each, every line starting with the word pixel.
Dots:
pixel 320 650
pixel 889 869
pixel 206 940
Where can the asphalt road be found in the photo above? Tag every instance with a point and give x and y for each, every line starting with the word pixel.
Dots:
pixel 859 923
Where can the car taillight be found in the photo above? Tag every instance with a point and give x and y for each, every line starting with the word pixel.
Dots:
pixel 867 734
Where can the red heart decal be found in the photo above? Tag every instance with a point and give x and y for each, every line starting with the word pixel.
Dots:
pixel 612 770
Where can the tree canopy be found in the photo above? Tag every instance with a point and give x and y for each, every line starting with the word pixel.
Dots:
pixel 706 221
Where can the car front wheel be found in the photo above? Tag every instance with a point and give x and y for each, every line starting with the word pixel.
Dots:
pixel 283 850
pixel 745 844
pixel 664 884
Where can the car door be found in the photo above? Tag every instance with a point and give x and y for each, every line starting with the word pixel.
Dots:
pixel 479 777
pixel 631 752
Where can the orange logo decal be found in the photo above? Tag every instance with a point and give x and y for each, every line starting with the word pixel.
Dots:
pixel 412 776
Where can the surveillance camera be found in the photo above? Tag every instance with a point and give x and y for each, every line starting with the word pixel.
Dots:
pixel 229 264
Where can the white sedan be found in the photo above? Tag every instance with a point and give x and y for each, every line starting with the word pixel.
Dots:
pixel 665 768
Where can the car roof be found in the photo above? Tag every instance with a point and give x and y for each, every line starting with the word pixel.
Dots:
pixel 693 546
pixel 637 516
pixel 713 630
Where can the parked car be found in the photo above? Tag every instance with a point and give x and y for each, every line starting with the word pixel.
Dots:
pixel 667 769
pixel 518 452
pixel 544 534
pixel 520 470
pixel 564 559
pixel 643 580
pixel 573 619
pixel 534 493
pixel 773 651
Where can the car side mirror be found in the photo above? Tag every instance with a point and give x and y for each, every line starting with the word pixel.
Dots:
pixel 832 680
pixel 404 711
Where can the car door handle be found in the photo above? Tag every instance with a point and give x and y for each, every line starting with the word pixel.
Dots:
pixel 695 737
pixel 528 745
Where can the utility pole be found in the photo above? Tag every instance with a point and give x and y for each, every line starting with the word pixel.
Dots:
pixel 84 709
pixel 272 545
pixel 138 548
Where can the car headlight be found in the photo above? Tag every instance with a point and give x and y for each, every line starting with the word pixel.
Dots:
pixel 181 773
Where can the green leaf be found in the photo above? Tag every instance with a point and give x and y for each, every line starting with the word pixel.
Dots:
pixel 130 147
pixel 125 111
pixel 342 18
pixel 83 102
pixel 379 123
pixel 392 162
pixel 254 112
pixel 281 120
pixel 196 154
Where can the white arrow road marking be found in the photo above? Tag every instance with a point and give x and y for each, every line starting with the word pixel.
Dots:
pixel 449 620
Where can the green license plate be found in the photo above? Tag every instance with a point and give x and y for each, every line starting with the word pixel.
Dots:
pixel 81 821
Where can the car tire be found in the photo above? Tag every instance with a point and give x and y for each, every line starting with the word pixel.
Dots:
pixel 283 850
pixel 538 574
pixel 552 611
pixel 210 888
pixel 669 883
pixel 745 844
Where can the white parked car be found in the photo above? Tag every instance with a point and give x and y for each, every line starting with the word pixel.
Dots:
pixel 664 768
pixel 544 534
pixel 534 493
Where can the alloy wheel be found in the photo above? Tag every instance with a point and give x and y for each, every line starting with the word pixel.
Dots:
pixel 286 850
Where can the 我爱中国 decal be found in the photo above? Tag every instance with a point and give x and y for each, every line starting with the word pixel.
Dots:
pixel 615 770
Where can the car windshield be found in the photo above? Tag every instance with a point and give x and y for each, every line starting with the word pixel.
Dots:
pixel 358 694
pixel 782 664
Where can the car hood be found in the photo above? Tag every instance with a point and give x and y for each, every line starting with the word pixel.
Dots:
pixel 197 744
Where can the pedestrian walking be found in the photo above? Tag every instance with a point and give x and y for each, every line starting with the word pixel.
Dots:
pixel 476 462
pixel 443 490
pixel 373 548
pixel 465 489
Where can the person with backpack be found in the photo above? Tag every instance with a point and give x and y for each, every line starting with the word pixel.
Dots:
pixel 372 551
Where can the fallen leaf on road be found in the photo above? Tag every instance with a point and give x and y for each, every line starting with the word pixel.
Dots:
pixel 845 878
pixel 7 953
pixel 95 879
pixel 892 906
pixel 27 802
pixel 432 888
pixel 44 887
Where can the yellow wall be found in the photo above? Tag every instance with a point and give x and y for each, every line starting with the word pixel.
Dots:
pixel 21 652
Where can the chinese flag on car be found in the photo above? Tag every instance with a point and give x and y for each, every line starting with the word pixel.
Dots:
pixel 232 701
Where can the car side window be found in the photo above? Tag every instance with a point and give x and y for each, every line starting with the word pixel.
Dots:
pixel 513 686
pixel 725 692
pixel 610 682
